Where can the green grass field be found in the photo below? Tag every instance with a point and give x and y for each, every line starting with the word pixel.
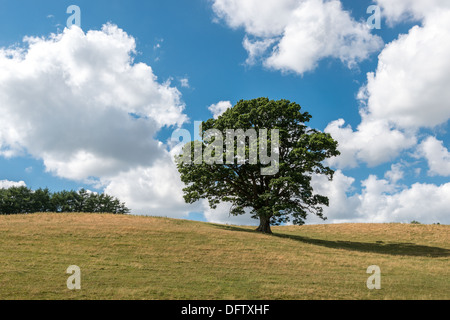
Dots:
pixel 131 257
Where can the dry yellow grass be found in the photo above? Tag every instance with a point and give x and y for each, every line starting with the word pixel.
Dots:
pixel 131 257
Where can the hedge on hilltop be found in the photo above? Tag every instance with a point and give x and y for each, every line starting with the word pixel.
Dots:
pixel 21 200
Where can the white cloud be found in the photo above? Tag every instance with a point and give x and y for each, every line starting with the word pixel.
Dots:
pixel 219 108
pixel 154 190
pixel 382 201
pixel 373 142
pixel 408 91
pixel 437 155
pixel 67 99
pixel 342 206
pixel 6 184
pixel 265 18
pixel 400 10
pixel 305 32
pixel 78 102
pixel 256 48
pixel 410 85
pixel 395 174
pixel 426 203
pixel 320 30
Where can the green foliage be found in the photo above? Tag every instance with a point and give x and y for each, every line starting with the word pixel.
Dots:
pixel 17 200
pixel 274 199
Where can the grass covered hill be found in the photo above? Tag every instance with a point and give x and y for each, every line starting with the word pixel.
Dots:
pixel 132 257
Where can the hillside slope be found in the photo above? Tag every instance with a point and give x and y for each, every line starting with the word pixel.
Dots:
pixel 131 257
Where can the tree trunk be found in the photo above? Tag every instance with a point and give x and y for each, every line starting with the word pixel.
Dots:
pixel 264 225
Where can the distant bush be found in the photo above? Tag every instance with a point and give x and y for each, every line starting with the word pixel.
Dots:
pixel 18 200
pixel 415 222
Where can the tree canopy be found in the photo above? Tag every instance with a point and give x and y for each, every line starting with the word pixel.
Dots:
pixel 17 200
pixel 297 152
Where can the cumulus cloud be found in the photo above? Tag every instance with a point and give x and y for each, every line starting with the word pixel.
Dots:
pixel 303 32
pixel 343 205
pixel 410 85
pixel 256 49
pixel 67 99
pixel 400 10
pixel 437 156
pixel 395 174
pixel 256 16
pixel 80 103
pixel 154 190
pixel 407 92
pixel 427 203
pixel 219 108
pixel 6 184
pixel 374 142
pixel 321 30
pixel 383 200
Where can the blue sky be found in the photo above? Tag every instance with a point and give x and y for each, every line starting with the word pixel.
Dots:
pixel 197 48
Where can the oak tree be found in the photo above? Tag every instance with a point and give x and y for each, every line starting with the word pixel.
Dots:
pixel 283 195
